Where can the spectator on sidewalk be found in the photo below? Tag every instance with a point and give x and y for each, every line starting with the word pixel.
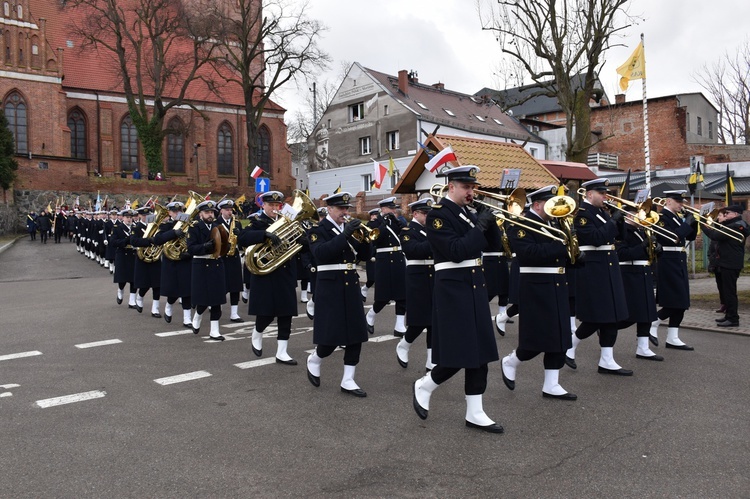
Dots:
pixel 136 174
pixel 713 270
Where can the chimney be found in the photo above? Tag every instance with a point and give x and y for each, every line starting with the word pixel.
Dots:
pixel 439 86
pixel 403 82
pixel 620 99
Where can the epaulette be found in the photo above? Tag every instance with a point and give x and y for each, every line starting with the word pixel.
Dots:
pixel 436 206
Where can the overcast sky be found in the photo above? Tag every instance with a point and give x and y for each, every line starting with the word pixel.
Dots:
pixel 442 40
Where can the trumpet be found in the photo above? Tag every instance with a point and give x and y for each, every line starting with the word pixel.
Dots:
pixel 364 234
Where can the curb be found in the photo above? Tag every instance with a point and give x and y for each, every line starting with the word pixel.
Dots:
pixel 10 243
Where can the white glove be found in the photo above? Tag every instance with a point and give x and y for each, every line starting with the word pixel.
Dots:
pixel 101 231
pixel 106 242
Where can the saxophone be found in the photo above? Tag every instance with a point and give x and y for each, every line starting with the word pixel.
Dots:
pixel 151 254
pixel 175 248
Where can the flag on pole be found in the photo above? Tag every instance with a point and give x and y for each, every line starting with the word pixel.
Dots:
pixel 49 207
pixel 729 188
pixel 257 172
pixel 695 178
pixel 440 159
pixel 380 171
pixel 426 151
pixel 98 205
pixel 338 189
pixel 634 68
pixel 624 189
pixel 134 205
pixel 78 202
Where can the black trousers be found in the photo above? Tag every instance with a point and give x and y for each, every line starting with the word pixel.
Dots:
pixel 284 323
pixel 643 329
pixel 607 332
pixel 552 360
pixel 351 353
pixel 380 305
pixel 728 292
pixel 186 304
pixel 475 378
pixel 215 311
pixel 413 332
pixel 675 315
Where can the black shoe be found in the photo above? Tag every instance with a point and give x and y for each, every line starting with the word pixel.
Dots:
pixel 167 318
pixel 357 392
pixel 371 329
pixel 616 372
pixel 156 315
pixel 258 353
pixel 493 428
pixel 500 331
pixel 244 300
pixel 131 306
pixel 649 357
pixel 308 315
pixel 398 334
pixel 238 319
pixel 564 396
pixel 139 309
pixel 680 347
pixel 401 362
pixel 315 380
pixel 654 340
pixel 571 363
pixel 728 323
pixel 195 331
pixel 510 321
pixel 290 362
pixel 721 310
pixel 721 320
pixel 508 382
pixel 119 301
pixel 216 338
pixel 421 411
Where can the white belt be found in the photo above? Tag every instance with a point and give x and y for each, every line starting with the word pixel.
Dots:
pixel 643 263
pixel 207 257
pixel 474 262
pixel 420 262
pixel 388 250
pixel 336 266
pixel 674 248
pixel 542 270
pixel 493 253
pixel 604 247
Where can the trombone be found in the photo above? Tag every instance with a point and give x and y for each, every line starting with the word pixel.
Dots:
pixel 708 220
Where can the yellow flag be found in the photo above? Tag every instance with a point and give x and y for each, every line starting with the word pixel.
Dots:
pixel 634 68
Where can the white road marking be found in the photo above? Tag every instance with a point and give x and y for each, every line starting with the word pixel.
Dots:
pixel 384 337
pixel 238 324
pixel 227 337
pixel 98 343
pixel 8 386
pixel 174 333
pixel 256 363
pixel 182 377
pixel 20 355
pixel 69 399
pixel 6 394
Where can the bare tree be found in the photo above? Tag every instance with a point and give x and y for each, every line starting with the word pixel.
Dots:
pixel 263 45
pixel 727 82
pixel 554 41
pixel 157 47
pixel 304 121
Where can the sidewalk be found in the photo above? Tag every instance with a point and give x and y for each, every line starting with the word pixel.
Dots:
pixel 701 314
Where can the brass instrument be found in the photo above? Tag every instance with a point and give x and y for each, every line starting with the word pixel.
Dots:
pixel 264 258
pixel 152 253
pixel 563 208
pixel 364 234
pixel 220 237
pixel 707 220
pixel 232 239
pixel 175 248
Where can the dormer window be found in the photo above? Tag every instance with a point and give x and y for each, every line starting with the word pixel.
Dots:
pixel 356 112
pixel 497 121
pixel 479 118
pixel 421 105
pixel 449 113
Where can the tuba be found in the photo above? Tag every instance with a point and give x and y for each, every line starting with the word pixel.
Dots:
pixel 173 249
pixel 264 258
pixel 151 254
pixel 563 209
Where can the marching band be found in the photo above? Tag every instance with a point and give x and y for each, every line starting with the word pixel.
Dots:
pixel 549 263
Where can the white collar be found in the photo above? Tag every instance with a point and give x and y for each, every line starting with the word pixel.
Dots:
pixel 339 227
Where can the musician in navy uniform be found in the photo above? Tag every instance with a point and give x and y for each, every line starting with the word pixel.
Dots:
pixel 176 275
pixel 672 285
pixel 124 256
pixel 370 263
pixel 272 295
pixel 420 278
pixel 310 305
pixel 730 259
pixel 339 312
pixel 462 335
pixel 109 251
pixel 544 319
pixel 147 274
pixel 232 263
pixel 390 281
pixel 600 295
pixel 207 289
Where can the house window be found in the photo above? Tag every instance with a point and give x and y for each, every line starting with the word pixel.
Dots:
pixel 77 126
pixel 175 147
pixel 385 109
pixel 367 182
pixel 356 112
pixel 329 124
pixel 263 151
pixel 688 122
pixel 6 9
pixel 479 118
pixel 533 151
pixel 20 12
pixel 710 130
pixel 391 140
pixel 128 145
pixel 225 151
pixel 15 112
pixel 700 126
pixel 450 113
pixel 498 121
pixel 421 105
pixel 364 146
pixel 6 37
pixel 394 178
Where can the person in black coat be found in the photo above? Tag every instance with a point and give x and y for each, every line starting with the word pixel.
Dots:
pixel 339 313
pixel 207 288
pixel 309 262
pixel 730 258
pixel 31 225
pixel 176 275
pixel 44 224
pixel 109 252
pixel 600 295
pixel 124 256
pixel 147 274
pixel 544 319
pixel 370 263
pixel 672 284
pixel 60 222
pixel 272 295
pixel 420 277
pixel 232 263
pixel 461 321
pixel 390 280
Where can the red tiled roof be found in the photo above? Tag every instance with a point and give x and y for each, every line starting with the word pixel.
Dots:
pixel 97 70
pixel 569 170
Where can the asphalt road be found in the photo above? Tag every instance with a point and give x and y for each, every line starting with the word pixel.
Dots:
pixel 679 428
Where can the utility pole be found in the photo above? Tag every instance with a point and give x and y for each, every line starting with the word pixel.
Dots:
pixel 315 104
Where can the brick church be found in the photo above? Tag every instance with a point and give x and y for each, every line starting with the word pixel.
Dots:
pixel 73 132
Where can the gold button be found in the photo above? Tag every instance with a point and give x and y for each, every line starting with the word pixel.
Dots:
pixel 557 284
pixel 475 286
pixel 473 271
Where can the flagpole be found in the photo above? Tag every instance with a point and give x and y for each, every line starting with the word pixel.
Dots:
pixel 645 124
